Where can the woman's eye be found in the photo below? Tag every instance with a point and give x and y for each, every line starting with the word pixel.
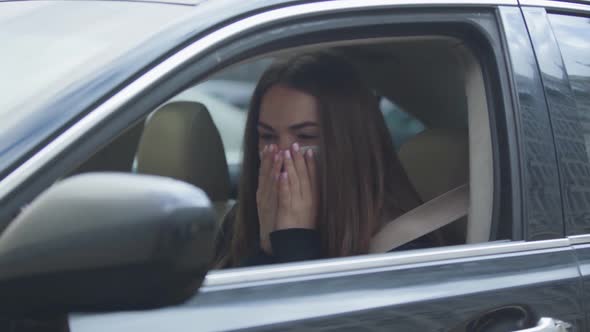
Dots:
pixel 306 136
pixel 266 137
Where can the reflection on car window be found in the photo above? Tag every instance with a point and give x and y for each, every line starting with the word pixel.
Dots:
pixel 235 85
pixel 234 92
pixel 573 37
pixel 401 124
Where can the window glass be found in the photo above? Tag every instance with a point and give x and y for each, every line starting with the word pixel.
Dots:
pixel 439 151
pixel 573 36
pixel 401 125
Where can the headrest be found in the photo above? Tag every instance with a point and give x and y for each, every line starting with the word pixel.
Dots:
pixel 436 161
pixel 181 141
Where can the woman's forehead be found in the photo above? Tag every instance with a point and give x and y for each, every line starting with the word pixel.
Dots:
pixel 282 107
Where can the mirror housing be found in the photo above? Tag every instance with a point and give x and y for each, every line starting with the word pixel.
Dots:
pixel 106 242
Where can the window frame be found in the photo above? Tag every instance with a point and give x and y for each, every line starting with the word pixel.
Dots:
pixel 245 275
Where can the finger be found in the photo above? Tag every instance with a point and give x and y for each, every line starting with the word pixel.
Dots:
pixel 267 198
pixel 261 180
pixel 284 192
pixel 276 166
pixel 292 175
pixel 271 201
pixel 265 162
pixel 301 168
pixel 310 162
pixel 270 178
pixel 273 178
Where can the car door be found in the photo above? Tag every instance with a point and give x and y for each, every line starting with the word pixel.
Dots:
pixel 560 33
pixel 473 288
pixel 527 272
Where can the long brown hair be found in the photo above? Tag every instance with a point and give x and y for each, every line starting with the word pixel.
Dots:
pixel 361 179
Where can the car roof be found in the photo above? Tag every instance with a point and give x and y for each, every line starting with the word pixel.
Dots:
pixel 171 2
pixel 168 2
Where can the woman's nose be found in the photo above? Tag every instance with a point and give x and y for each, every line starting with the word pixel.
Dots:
pixel 285 143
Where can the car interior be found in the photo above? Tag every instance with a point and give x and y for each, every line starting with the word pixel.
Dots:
pixel 195 137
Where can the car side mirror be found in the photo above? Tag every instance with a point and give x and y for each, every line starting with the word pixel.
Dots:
pixel 104 242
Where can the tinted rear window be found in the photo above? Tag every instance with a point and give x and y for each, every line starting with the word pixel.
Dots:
pixel 573 37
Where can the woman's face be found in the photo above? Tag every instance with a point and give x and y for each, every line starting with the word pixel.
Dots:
pixel 288 116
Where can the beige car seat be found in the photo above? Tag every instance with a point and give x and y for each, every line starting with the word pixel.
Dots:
pixel 181 141
pixel 437 164
pixel 437 161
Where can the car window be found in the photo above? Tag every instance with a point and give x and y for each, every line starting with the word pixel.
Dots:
pixel 234 87
pixel 573 37
pixel 185 137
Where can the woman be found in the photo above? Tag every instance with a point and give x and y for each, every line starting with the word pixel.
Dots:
pixel 320 175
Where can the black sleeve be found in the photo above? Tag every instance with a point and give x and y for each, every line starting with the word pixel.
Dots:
pixel 260 258
pixel 223 237
pixel 289 245
pixel 420 243
pixel 295 244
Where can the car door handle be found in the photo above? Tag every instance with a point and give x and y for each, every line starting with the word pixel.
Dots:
pixel 546 324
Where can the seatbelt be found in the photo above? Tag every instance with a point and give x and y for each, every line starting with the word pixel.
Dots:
pixel 430 216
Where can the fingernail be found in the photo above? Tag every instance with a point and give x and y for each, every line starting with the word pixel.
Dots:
pixel 310 153
pixel 265 148
pixel 284 176
pixel 277 156
pixel 287 154
pixel 296 147
pixel 271 148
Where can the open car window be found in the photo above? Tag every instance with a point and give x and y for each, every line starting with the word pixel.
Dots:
pixel 431 135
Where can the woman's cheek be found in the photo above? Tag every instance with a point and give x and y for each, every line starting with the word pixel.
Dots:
pixel 260 149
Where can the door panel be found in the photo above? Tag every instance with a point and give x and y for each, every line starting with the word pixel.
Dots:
pixel 542 200
pixel 568 120
pixel 388 292
pixel 562 53
pixel 582 247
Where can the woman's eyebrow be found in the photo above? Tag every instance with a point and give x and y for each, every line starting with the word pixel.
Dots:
pixel 303 125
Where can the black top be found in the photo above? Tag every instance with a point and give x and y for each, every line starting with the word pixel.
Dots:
pixel 294 244
pixel 298 244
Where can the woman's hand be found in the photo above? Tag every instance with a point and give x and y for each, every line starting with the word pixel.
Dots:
pixel 297 202
pixel 267 194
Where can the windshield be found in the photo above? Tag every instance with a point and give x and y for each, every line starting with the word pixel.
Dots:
pixel 50 46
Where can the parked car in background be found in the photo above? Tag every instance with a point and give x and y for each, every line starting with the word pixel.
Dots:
pixel 233 91
pixel 488 96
